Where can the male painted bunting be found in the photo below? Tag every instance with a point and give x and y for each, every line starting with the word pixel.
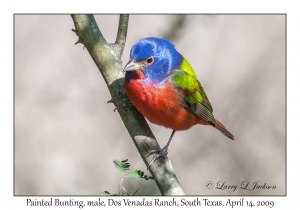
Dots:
pixel 164 88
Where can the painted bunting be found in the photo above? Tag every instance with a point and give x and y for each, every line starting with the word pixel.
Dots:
pixel 163 86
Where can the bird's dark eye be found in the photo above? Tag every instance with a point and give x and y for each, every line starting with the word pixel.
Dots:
pixel 150 61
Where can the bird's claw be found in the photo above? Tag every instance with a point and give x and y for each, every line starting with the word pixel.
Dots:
pixel 158 154
pixel 126 103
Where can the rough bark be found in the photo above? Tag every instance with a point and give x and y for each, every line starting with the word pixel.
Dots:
pixel 107 57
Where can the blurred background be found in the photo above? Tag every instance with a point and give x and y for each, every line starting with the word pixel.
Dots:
pixel 67 136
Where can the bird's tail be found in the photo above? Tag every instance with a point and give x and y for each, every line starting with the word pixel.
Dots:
pixel 222 129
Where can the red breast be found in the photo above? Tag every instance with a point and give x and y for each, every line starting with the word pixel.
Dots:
pixel 160 104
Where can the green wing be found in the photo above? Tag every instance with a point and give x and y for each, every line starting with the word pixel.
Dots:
pixel 191 92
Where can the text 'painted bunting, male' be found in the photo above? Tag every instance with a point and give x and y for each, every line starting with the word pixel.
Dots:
pixel 164 88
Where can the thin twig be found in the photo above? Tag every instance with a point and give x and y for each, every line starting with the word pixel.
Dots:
pixel 135 191
pixel 122 33
pixel 124 190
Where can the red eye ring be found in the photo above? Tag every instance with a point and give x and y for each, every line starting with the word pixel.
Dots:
pixel 150 61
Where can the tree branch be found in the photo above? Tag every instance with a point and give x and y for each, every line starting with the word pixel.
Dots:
pixel 122 32
pixel 107 57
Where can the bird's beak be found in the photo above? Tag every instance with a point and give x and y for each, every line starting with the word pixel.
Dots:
pixel 132 65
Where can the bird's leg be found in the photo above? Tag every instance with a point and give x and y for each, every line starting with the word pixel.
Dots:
pixel 162 152
pixel 125 103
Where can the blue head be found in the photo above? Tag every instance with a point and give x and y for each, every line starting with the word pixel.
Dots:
pixel 155 57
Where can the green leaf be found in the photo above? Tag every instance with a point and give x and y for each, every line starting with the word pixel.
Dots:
pixel 122 166
pixel 134 175
pixel 138 175
pixel 108 193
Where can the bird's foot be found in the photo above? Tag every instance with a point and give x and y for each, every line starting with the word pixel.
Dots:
pixel 126 102
pixel 158 154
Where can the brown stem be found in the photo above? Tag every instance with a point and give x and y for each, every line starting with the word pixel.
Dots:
pixel 107 57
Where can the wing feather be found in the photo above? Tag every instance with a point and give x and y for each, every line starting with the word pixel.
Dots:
pixel 192 95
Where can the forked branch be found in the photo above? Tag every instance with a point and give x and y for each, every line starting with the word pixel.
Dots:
pixel 107 57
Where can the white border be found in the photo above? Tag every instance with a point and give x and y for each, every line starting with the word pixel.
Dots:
pixel 8 201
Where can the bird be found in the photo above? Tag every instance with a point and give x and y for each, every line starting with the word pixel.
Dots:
pixel 163 87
